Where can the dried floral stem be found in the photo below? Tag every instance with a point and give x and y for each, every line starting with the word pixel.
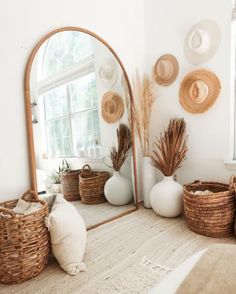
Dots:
pixel 145 93
pixel 171 148
pixel 119 154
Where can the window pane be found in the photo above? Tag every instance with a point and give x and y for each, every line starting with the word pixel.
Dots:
pixel 85 133
pixel 63 50
pixel 56 104
pixel 58 137
pixel 83 93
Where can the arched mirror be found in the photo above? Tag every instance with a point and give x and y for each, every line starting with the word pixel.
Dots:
pixel 78 109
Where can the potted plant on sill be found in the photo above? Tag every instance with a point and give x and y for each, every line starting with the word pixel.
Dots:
pixel 145 91
pixel 56 176
pixel 168 155
pixel 56 182
pixel 118 189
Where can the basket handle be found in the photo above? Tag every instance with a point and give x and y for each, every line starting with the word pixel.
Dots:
pixel 86 168
pixel 7 211
pixel 232 184
pixel 197 182
pixel 30 196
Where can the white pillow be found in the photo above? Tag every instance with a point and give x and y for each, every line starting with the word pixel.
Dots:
pixel 68 235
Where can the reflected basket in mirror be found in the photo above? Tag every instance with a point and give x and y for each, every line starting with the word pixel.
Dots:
pixel 91 185
pixel 70 185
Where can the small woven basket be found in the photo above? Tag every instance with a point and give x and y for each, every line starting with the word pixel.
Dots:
pixel 24 241
pixel 91 185
pixel 210 215
pixel 70 185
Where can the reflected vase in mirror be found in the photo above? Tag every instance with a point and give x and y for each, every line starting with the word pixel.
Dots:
pixel 81 96
pixel 118 189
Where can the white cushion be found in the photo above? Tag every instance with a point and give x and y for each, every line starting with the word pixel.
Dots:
pixel 68 235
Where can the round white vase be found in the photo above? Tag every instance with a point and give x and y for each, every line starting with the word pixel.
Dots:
pixel 148 180
pixel 118 190
pixel 167 198
pixel 56 188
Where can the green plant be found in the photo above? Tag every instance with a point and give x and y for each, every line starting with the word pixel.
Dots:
pixel 55 176
pixel 64 167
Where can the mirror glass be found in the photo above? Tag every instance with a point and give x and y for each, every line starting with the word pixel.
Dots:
pixel 79 98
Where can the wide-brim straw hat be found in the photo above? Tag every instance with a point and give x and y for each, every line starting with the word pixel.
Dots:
pixel 202 41
pixel 165 70
pixel 108 72
pixel 199 90
pixel 112 107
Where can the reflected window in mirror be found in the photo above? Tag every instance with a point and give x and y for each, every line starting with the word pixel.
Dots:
pixel 67 95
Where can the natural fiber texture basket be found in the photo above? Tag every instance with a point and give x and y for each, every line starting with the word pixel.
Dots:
pixel 91 185
pixel 211 215
pixel 70 185
pixel 24 241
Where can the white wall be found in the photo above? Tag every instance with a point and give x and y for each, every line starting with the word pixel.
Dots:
pixel 22 24
pixel 122 24
pixel 167 25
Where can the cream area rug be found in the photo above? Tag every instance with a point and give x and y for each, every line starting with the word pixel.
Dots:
pixel 137 278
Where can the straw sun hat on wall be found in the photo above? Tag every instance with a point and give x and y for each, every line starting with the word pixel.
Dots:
pixel 108 72
pixel 112 107
pixel 199 90
pixel 165 70
pixel 202 41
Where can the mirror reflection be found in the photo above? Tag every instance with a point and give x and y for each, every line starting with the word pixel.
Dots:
pixel 81 126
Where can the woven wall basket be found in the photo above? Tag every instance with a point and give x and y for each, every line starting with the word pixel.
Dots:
pixel 91 185
pixel 24 241
pixel 70 185
pixel 211 215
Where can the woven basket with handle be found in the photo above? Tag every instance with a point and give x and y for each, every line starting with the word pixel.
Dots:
pixel 24 241
pixel 70 185
pixel 91 185
pixel 211 215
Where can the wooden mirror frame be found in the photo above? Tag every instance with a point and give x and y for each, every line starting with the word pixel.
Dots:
pixel 31 150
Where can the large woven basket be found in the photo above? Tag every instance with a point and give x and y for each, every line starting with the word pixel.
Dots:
pixel 70 185
pixel 211 215
pixel 91 185
pixel 24 241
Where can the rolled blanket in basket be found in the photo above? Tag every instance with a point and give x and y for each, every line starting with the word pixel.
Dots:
pixel 25 207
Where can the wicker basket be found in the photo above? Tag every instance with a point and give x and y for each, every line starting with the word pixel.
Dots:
pixel 211 215
pixel 70 185
pixel 91 185
pixel 24 241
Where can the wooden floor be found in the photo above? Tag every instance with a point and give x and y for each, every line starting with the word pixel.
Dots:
pixel 97 213
pixel 113 247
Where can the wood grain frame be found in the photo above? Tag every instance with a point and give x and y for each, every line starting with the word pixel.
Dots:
pixel 31 150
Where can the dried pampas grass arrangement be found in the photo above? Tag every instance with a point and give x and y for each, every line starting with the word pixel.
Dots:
pixel 171 148
pixel 119 154
pixel 145 92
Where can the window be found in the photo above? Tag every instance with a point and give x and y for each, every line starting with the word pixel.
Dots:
pixel 67 88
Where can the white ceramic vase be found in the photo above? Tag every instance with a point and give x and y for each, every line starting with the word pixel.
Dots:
pixel 56 188
pixel 118 190
pixel 167 198
pixel 148 180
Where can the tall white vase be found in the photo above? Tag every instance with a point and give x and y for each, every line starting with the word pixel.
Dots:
pixel 167 198
pixel 148 180
pixel 118 190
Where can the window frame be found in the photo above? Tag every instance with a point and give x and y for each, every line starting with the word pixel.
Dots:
pixel 78 70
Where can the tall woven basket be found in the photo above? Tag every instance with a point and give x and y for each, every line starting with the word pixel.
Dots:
pixel 24 241
pixel 91 185
pixel 210 215
pixel 70 185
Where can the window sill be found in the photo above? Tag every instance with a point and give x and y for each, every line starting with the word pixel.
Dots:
pixel 92 159
pixel 230 164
